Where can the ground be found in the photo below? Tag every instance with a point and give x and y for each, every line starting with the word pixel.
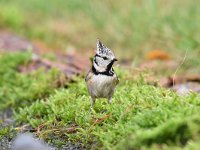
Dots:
pixel 45 52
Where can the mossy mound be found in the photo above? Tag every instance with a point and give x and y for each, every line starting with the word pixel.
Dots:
pixel 141 116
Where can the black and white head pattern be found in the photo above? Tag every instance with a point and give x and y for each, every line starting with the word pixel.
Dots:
pixel 104 58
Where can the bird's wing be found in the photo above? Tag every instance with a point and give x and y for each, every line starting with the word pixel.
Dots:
pixel 117 79
pixel 88 76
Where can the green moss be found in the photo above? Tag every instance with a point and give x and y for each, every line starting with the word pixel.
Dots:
pixel 141 116
pixel 177 131
pixel 141 113
pixel 21 89
pixel 4 132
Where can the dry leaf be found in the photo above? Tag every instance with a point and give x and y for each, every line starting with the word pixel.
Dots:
pixel 157 55
pixel 99 120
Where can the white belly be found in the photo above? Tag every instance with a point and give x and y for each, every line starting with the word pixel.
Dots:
pixel 102 86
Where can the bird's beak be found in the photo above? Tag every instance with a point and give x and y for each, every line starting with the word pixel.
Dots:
pixel 115 59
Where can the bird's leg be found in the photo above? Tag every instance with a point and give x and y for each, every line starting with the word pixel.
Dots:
pixel 110 100
pixel 92 103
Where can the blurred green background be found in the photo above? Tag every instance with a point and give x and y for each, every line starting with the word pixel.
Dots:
pixel 130 27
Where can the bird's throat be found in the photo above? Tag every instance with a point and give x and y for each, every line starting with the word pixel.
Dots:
pixel 100 70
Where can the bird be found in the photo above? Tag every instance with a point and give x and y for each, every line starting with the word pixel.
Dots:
pixel 101 80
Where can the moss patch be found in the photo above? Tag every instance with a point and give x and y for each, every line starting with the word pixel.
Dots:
pixel 141 113
pixel 18 89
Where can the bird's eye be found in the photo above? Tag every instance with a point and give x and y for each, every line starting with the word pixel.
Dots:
pixel 105 58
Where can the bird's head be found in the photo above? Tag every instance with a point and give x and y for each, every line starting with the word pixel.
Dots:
pixel 104 58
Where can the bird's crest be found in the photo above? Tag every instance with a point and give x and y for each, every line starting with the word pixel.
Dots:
pixel 102 50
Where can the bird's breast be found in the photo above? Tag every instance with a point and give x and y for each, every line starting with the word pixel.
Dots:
pixel 102 85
